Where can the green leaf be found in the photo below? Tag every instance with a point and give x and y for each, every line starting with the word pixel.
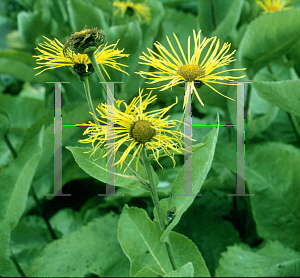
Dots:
pixel 201 163
pixel 92 249
pixel 15 184
pixel 260 124
pixel 82 14
pixel 97 168
pixel 150 271
pixel 20 64
pixel 273 176
pixel 230 21
pixel 268 37
pixel 272 260
pixel 66 221
pixel 32 24
pixel 129 36
pixel 29 109
pixel 140 241
pixel 284 94
pixel 181 150
pixel 210 12
pixel 28 239
pixel 186 270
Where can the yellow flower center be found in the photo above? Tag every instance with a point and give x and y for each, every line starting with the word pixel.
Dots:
pixel 273 8
pixel 142 131
pixel 190 72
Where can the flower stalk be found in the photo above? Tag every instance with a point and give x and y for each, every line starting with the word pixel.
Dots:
pixel 89 98
pixel 156 202
pixel 110 98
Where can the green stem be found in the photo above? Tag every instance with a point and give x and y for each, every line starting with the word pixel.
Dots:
pixel 101 77
pixel 109 96
pixel 156 202
pixel 89 98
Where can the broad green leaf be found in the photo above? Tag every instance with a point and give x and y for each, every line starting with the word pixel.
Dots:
pixel 83 14
pixel 271 260
pixel 92 249
pixel 15 183
pixel 201 163
pixel 66 221
pixel 32 24
pixel 28 239
pixel 260 124
pixel 284 94
pixel 129 36
pixel 181 150
pixel 186 270
pixel 150 271
pixel 20 64
pixel 97 168
pixel 211 14
pixel 140 241
pixel 230 21
pixel 273 176
pixel 268 37
pixel 23 111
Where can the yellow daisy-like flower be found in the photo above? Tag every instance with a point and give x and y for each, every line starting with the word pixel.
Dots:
pixel 142 11
pixel 193 69
pixel 137 129
pixel 54 56
pixel 271 6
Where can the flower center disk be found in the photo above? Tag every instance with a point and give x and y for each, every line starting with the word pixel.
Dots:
pixel 190 72
pixel 142 131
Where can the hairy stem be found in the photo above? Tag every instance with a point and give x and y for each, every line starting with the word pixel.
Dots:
pixel 101 77
pixel 89 98
pixel 155 199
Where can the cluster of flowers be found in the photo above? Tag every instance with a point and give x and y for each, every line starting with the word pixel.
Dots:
pixel 134 127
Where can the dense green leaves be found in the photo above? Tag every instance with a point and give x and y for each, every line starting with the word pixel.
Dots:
pixel 273 176
pixel 136 229
pixel 15 184
pixel 92 242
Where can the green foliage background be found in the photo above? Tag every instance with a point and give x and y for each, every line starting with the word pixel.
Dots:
pixel 213 234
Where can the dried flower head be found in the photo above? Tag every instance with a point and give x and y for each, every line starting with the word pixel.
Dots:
pixel 84 41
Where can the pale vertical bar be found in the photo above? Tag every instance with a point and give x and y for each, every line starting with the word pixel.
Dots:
pixel 57 141
pixel 110 186
pixel 188 182
pixel 240 121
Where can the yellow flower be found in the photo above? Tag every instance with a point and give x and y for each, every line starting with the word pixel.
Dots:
pixel 271 6
pixel 136 129
pixel 53 56
pixel 193 69
pixel 140 10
